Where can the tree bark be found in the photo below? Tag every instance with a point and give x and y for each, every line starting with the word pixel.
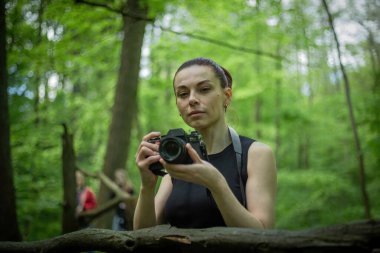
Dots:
pixel 69 222
pixel 359 151
pixel 9 230
pixel 354 237
pixel 125 99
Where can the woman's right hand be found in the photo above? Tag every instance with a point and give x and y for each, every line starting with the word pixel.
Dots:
pixel 147 154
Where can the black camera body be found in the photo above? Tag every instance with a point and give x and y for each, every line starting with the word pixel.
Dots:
pixel 172 148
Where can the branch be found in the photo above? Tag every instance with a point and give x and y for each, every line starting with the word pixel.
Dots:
pixel 224 44
pixel 354 237
pixel 90 215
pixel 102 5
pixel 109 183
pixel 118 11
pixel 190 35
pixel 121 195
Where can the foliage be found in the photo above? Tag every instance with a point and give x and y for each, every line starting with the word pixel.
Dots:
pixel 63 60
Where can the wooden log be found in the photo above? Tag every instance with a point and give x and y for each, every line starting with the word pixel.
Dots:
pixel 361 236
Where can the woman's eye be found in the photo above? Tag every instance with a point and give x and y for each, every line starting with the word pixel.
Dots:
pixel 205 89
pixel 182 94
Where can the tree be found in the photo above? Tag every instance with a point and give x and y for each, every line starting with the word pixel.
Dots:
pixel 359 151
pixel 69 221
pixel 9 229
pixel 125 102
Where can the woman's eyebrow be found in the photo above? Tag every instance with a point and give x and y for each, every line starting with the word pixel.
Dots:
pixel 203 82
pixel 184 86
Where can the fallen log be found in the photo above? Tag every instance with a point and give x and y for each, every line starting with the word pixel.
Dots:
pixel 363 236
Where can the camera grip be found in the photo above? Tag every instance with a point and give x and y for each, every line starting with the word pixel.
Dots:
pixel 157 169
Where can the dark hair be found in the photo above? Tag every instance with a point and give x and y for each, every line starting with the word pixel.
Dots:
pixel 221 73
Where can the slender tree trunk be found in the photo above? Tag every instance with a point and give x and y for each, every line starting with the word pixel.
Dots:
pixel 125 99
pixel 278 89
pixel 259 101
pixel 258 107
pixel 9 230
pixel 278 104
pixel 373 51
pixel 69 222
pixel 310 94
pixel 38 77
pixel 359 151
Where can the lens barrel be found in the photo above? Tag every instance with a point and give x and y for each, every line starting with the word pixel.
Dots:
pixel 173 150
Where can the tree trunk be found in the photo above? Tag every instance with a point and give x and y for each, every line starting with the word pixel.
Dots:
pixel 9 230
pixel 38 76
pixel 259 101
pixel 69 222
pixel 125 99
pixel 355 237
pixel 278 103
pixel 307 135
pixel 359 151
pixel 258 107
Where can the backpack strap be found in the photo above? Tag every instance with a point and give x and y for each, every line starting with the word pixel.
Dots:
pixel 238 151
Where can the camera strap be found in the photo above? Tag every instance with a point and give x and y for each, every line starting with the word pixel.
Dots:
pixel 238 151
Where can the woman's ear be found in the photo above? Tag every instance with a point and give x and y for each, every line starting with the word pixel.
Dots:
pixel 227 96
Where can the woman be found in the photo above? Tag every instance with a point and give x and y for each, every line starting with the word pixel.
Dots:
pixel 207 193
pixel 86 199
pixel 119 221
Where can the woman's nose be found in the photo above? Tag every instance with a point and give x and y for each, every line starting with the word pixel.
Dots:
pixel 193 99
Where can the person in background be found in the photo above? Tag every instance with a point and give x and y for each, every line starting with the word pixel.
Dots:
pixel 86 199
pixel 207 193
pixel 119 221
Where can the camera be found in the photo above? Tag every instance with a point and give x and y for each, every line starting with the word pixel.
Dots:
pixel 173 150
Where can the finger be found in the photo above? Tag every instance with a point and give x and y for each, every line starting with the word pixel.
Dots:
pixel 147 137
pixel 144 153
pixel 151 135
pixel 175 168
pixel 148 161
pixel 193 154
pixel 166 165
pixel 149 145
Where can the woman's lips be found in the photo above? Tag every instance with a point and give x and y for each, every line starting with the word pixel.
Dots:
pixel 195 113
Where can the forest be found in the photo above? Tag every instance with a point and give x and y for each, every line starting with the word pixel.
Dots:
pixel 306 82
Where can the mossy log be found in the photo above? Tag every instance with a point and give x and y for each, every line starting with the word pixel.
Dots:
pixel 361 236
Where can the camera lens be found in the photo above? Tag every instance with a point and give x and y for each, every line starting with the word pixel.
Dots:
pixel 173 150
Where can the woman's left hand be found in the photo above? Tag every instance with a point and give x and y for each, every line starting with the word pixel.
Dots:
pixel 199 172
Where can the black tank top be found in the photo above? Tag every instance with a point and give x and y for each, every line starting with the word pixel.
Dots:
pixel 192 206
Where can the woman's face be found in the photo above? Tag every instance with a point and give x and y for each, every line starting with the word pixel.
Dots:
pixel 199 96
pixel 79 179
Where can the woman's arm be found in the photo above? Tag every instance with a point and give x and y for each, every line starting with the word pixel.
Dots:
pixel 150 207
pixel 145 213
pixel 260 191
pixel 162 196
